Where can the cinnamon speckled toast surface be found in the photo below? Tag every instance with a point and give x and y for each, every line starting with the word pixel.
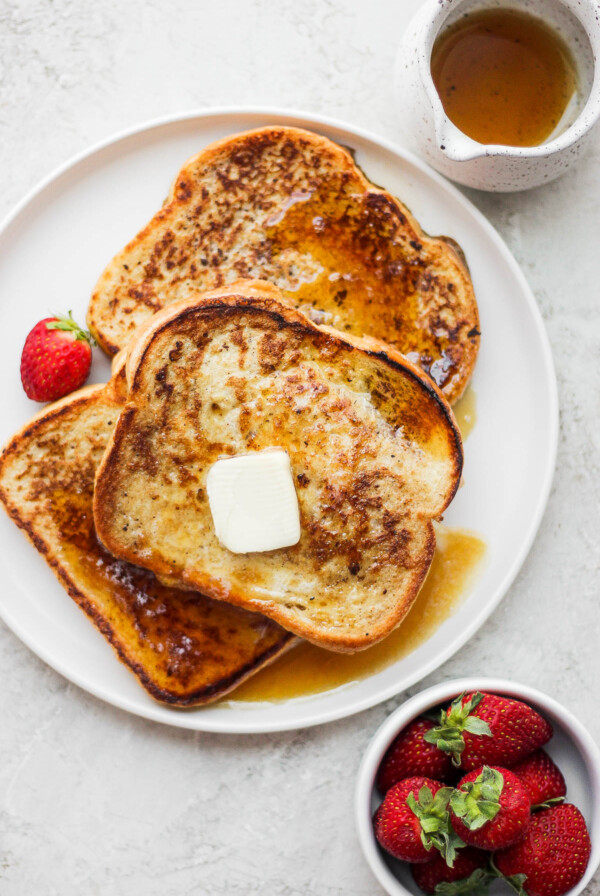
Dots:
pixel 375 453
pixel 290 206
pixel 185 648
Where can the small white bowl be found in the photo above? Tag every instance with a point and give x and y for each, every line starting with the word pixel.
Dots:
pixel 571 747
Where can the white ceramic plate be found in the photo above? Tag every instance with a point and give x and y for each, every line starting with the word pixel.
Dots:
pixel 52 249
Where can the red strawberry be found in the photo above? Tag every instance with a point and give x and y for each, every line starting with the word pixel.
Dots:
pixel 409 754
pixel 490 808
pixel 552 856
pixel 56 358
pixel 413 819
pixel 485 729
pixel 542 778
pixel 429 874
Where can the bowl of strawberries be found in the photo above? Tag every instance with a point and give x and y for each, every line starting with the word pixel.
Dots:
pixel 480 786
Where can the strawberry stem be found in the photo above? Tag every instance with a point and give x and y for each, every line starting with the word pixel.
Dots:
pixel 66 322
pixel 434 818
pixel 478 802
pixel 514 881
pixel 476 884
pixel 448 736
pixel 547 804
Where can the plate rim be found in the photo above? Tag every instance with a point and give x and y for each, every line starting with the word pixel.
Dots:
pixel 244 724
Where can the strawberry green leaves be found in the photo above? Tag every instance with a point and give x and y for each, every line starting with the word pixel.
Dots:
pixel 434 819
pixel 68 324
pixel 448 736
pixel 478 802
pixel 476 884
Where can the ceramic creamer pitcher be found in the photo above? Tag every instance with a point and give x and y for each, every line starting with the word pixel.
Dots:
pixel 428 130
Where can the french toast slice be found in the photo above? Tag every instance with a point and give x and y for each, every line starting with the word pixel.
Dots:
pixel 184 648
pixel 290 206
pixel 375 454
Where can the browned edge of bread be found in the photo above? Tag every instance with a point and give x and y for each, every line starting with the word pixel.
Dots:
pixel 179 195
pixel 115 391
pixel 262 296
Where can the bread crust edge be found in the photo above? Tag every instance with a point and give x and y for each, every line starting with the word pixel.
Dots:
pixel 248 293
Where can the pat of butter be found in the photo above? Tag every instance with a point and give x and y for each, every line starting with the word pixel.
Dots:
pixel 253 501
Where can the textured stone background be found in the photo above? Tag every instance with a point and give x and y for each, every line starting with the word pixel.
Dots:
pixel 93 801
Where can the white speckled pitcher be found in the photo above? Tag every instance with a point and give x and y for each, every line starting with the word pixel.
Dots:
pixel 494 167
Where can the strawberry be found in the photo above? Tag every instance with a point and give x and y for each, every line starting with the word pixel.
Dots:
pixel 469 874
pixel 485 729
pixel 490 808
pixel 551 857
pixel 409 754
pixel 542 778
pixel 413 818
pixel 56 358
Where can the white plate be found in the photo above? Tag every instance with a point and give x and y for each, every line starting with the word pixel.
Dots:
pixel 52 249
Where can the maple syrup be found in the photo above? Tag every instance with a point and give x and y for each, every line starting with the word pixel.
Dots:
pixel 341 254
pixel 307 669
pixel 465 412
pixel 505 77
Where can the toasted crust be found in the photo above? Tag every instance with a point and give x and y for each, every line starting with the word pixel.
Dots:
pixel 375 453
pixel 184 648
pixel 289 206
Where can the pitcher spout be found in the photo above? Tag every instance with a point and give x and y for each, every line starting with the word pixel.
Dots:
pixel 455 145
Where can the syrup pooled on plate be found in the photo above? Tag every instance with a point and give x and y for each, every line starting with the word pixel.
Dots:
pixel 307 669
pixel 465 411
pixel 505 77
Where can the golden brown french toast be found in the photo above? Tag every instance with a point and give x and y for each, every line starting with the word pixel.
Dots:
pixel 375 456
pixel 185 648
pixel 290 206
